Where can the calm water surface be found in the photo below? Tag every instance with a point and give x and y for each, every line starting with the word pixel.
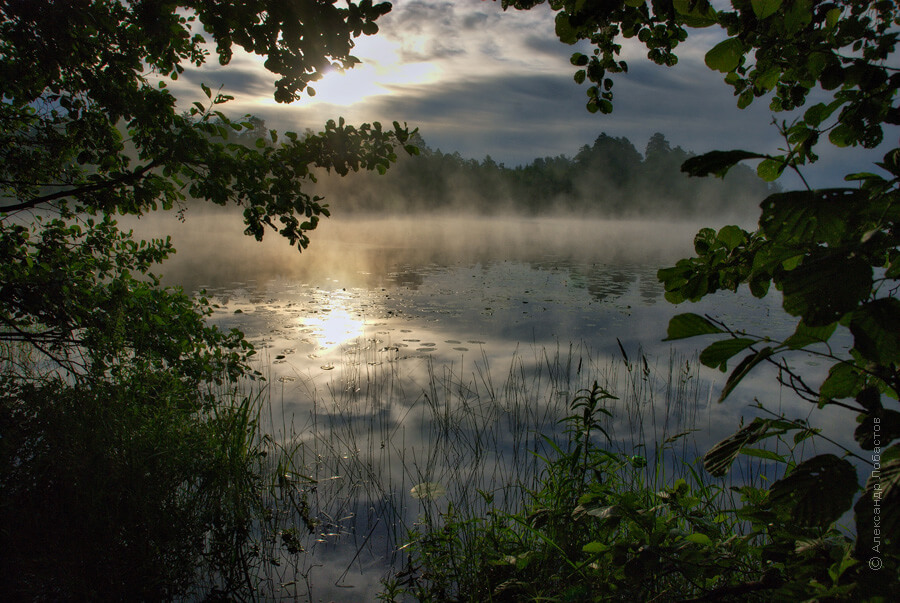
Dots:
pixel 410 351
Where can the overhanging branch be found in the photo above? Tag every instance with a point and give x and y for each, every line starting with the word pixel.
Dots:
pixel 125 179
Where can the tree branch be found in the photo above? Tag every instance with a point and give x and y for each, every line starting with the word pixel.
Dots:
pixel 129 178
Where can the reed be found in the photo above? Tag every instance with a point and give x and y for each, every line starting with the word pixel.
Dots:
pixel 393 449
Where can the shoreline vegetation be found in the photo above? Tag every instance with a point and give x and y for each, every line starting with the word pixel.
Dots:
pixel 133 465
pixel 609 179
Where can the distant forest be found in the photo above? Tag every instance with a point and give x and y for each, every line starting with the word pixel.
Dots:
pixel 609 178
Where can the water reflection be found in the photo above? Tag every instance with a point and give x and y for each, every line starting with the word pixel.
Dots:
pixel 334 324
pixel 402 352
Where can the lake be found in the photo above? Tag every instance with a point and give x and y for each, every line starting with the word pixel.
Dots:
pixel 413 362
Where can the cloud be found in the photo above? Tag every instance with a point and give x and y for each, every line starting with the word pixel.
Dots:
pixel 500 83
pixel 244 76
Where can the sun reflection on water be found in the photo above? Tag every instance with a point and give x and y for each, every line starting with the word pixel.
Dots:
pixel 335 323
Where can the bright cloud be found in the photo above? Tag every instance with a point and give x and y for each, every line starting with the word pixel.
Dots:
pixel 481 81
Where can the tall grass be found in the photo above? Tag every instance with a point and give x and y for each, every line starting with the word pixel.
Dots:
pixel 393 448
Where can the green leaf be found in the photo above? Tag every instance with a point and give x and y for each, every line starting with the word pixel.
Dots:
pixel 769 78
pixel 844 381
pixel 717 354
pixel 878 429
pixel 876 330
pixel 818 491
pixel 686 325
pixel 818 216
pixel 716 162
pixel 694 13
pixel 797 16
pixel 765 8
pixel 842 135
pixel 595 548
pixel 819 112
pixel 564 30
pixel 725 56
pixel 697 538
pixel 720 457
pixel 823 289
pixel 805 335
pixel 731 236
pixel 770 169
pixel 742 369
pixel 762 453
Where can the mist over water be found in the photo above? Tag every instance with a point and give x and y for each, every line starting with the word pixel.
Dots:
pixel 212 250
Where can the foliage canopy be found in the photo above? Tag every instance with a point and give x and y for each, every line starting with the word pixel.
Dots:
pixel 129 460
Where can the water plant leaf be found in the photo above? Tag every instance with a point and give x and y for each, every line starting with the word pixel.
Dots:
pixel 689 324
pixel 429 490
pixel 818 491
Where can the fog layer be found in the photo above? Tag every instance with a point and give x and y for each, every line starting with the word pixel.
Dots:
pixel 361 251
pixel 608 179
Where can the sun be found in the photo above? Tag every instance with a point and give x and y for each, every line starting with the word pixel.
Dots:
pixel 380 72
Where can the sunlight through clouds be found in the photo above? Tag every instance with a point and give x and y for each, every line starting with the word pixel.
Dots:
pixel 368 80
pixel 477 80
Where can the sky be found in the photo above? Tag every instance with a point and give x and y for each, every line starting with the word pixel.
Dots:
pixel 481 81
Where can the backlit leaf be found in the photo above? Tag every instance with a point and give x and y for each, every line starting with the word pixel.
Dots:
pixel 720 457
pixel 725 56
pixel 697 538
pixel 690 325
pixel 805 335
pixel 770 169
pixel 742 369
pixel 717 354
pixel 694 13
pixel 765 8
pixel 844 381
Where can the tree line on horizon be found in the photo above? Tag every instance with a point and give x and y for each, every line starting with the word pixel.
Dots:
pixel 609 178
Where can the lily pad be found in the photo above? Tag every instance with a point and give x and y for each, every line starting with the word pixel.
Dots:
pixel 431 490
